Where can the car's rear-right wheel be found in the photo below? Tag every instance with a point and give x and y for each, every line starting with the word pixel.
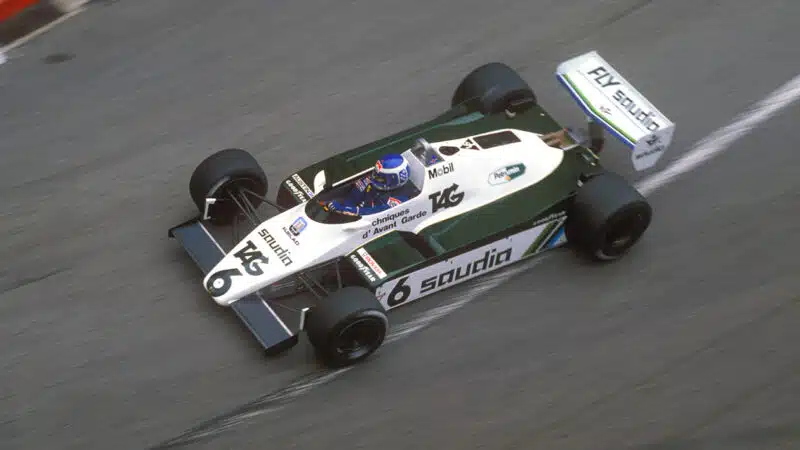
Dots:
pixel 496 86
pixel 607 218
pixel 347 326
pixel 227 171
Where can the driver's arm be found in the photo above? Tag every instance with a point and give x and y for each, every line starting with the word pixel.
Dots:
pixel 367 210
pixel 350 203
pixel 377 207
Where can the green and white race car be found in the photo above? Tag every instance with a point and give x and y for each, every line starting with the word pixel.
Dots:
pixel 494 180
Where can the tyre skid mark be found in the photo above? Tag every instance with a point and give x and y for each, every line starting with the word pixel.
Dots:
pixel 702 152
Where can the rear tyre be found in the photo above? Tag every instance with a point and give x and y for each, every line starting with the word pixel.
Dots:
pixel 497 86
pixel 607 217
pixel 347 327
pixel 226 171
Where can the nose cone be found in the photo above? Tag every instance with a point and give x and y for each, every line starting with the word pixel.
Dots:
pixel 276 249
pixel 264 256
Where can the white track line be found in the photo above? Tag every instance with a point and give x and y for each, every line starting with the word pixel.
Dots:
pixel 709 147
pixel 39 31
pixel 720 140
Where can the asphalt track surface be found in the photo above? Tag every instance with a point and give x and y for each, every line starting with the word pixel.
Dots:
pixel 109 341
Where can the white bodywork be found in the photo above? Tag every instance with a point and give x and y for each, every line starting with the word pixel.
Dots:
pixel 546 234
pixel 610 99
pixel 476 177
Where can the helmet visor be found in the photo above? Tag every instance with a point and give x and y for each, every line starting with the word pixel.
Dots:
pixel 380 180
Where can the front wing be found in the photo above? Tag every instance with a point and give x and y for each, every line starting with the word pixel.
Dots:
pixel 254 310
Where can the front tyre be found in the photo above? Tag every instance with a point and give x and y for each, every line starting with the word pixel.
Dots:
pixel 607 217
pixel 226 171
pixel 347 327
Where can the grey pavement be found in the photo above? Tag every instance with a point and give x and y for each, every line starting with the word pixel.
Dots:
pixel 110 342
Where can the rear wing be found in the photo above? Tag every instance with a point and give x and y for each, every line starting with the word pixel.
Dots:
pixel 608 98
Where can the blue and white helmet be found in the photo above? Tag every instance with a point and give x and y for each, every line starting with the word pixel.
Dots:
pixel 390 172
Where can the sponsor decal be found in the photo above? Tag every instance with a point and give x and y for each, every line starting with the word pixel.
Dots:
pixel 505 174
pixel 390 221
pixel 446 198
pixel 470 144
pixel 290 236
pixel 363 269
pixel 220 281
pixel 298 226
pixel 297 193
pixel 279 251
pixel 603 78
pixel 371 263
pixel 550 218
pixel 303 185
pixel 655 146
pixel 403 174
pixel 473 263
pixel 418 215
pixel 390 217
pixel 250 258
pixel 652 151
pixel 606 80
pixel 447 275
pixel 393 202
pixel 491 258
pixel 441 170
pixel 605 110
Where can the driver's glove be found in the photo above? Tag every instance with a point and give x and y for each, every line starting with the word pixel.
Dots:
pixel 335 206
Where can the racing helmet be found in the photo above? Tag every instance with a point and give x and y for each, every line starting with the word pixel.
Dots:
pixel 390 172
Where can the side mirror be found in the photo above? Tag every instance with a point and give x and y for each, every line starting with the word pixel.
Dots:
pixel 209 201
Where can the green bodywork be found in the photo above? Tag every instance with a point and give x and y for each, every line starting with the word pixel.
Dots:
pixel 462 120
pixel 402 252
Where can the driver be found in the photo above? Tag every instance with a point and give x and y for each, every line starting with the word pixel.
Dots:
pixel 378 191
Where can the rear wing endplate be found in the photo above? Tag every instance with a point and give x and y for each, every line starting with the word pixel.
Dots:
pixel 268 328
pixel 608 98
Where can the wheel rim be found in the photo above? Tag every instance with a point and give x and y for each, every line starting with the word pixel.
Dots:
pixel 226 206
pixel 360 337
pixel 239 183
pixel 624 233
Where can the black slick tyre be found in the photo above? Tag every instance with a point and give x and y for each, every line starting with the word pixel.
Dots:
pixel 496 85
pixel 226 171
pixel 347 327
pixel 607 218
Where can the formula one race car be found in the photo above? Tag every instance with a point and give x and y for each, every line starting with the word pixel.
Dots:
pixel 493 180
